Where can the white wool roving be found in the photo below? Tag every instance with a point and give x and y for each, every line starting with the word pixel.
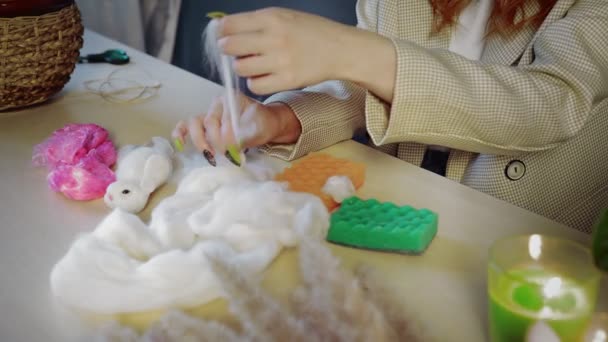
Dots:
pixel 125 265
pixel 258 166
pixel 225 65
pixel 339 188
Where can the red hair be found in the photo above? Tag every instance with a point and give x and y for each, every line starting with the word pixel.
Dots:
pixel 507 15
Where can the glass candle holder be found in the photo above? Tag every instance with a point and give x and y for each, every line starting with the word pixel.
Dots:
pixel 538 278
pixel 598 329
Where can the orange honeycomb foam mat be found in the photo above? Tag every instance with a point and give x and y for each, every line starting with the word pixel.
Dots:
pixel 310 173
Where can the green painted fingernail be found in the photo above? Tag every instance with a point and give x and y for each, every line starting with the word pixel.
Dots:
pixel 233 155
pixel 178 145
pixel 216 15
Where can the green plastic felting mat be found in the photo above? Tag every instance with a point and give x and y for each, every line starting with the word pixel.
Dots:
pixel 374 225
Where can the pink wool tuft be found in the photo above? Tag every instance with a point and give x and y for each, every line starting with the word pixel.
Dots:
pixel 86 180
pixel 79 157
pixel 70 144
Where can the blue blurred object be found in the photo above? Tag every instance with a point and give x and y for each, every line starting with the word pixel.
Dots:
pixel 362 138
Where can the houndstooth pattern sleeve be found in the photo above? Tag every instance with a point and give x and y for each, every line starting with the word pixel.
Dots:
pixel 329 112
pixel 444 99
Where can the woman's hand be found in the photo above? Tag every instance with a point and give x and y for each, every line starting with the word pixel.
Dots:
pixel 280 49
pixel 259 124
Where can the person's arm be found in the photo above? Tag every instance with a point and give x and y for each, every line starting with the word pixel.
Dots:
pixel 441 98
pixel 328 112
pixel 370 61
pixel 438 97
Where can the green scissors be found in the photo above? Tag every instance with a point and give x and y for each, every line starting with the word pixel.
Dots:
pixel 114 56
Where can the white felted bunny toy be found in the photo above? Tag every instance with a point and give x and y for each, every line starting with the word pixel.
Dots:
pixel 140 171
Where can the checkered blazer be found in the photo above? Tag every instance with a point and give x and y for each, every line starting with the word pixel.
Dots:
pixel 528 123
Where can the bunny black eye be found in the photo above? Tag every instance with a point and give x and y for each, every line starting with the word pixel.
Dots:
pixel 125 192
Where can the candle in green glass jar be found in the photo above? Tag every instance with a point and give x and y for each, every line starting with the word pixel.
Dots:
pixel 521 297
pixel 540 279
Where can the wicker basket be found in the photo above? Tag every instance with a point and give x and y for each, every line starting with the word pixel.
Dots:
pixel 37 56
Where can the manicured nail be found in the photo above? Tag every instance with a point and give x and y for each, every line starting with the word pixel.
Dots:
pixel 178 145
pixel 216 15
pixel 210 158
pixel 233 156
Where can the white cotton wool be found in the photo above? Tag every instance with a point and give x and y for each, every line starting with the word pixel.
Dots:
pixel 339 188
pixel 258 167
pixel 206 180
pixel 169 220
pixel 125 265
pixel 247 214
pixel 97 276
pixel 129 233
pixel 185 162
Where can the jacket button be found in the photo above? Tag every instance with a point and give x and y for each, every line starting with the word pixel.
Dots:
pixel 515 170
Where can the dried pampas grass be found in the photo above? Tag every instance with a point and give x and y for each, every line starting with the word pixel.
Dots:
pixel 330 305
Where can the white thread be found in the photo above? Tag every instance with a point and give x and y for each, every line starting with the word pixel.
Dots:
pixel 131 88
pixel 110 89
pixel 130 91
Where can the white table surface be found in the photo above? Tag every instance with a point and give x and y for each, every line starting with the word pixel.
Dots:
pixel 445 286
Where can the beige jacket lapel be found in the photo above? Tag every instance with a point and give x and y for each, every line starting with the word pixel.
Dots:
pixel 559 11
pixel 507 50
pixel 517 47
pixel 414 23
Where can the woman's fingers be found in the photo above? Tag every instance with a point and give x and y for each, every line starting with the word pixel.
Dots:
pixel 180 131
pixel 196 129
pixel 254 66
pixel 251 43
pixel 280 49
pixel 240 23
pixel 213 133
pixel 213 122
pixel 268 84
pixel 250 127
pixel 226 131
